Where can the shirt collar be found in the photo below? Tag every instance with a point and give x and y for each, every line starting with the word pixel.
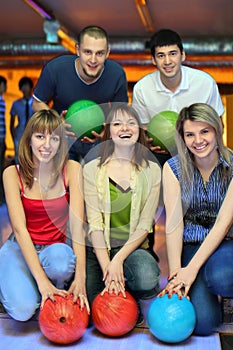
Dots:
pixel 184 84
pixel 224 162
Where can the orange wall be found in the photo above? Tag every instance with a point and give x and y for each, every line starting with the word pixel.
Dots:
pixel 13 76
pixel 133 74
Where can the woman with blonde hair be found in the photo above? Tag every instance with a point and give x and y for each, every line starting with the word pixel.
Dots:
pixel 198 192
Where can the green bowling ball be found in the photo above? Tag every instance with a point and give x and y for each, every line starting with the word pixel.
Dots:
pixel 161 129
pixel 85 116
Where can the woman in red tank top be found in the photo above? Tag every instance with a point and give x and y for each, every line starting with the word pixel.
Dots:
pixel 43 192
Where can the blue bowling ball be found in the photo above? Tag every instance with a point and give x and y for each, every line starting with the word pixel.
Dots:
pixel 171 320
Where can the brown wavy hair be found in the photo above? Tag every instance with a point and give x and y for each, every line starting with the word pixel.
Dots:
pixel 41 121
pixel 107 146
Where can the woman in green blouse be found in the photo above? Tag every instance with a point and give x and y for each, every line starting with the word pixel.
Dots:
pixel 121 190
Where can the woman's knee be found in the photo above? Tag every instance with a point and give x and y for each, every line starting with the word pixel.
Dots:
pixel 58 261
pixel 142 271
pixel 21 303
pixel 208 323
pixel 218 272
pixel 22 311
pixel 207 307
pixel 18 291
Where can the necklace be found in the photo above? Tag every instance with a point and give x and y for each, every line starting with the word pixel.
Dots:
pixel 46 188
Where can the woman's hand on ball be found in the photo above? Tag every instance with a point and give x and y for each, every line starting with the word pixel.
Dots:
pixel 180 282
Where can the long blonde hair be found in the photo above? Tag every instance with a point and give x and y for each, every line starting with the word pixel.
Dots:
pixel 204 113
pixel 41 121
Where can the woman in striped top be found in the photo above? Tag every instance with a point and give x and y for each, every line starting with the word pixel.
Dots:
pixel 198 193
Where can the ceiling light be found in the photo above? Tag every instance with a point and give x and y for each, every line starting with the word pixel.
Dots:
pixel 144 14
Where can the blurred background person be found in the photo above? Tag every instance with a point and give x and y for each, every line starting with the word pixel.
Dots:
pixel 3 87
pixel 21 110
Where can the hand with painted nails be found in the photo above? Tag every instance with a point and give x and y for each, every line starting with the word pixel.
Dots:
pixel 48 290
pixel 78 290
pixel 180 281
pixel 114 277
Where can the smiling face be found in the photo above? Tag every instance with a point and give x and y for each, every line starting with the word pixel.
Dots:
pixel 92 54
pixel 124 129
pixel 168 60
pixel 44 146
pixel 200 139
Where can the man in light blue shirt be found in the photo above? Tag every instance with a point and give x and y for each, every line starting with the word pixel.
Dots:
pixel 22 110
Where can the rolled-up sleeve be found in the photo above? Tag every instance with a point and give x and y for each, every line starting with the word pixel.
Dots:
pixel 147 198
pixel 93 210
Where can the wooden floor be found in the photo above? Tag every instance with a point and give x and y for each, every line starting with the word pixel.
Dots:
pixel 27 335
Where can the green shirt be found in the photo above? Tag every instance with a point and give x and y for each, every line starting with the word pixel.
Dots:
pixel 120 213
pixel 145 191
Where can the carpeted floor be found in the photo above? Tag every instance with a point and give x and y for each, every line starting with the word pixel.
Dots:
pixel 226 341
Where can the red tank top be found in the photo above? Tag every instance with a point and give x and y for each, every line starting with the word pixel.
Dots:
pixel 46 219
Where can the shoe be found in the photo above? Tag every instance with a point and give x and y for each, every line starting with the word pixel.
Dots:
pixel 2 201
pixel 140 319
pixel 2 310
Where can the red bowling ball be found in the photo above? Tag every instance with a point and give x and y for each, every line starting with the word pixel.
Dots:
pixel 114 315
pixel 62 321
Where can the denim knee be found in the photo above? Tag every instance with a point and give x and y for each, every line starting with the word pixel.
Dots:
pixel 206 304
pixel 207 307
pixel 94 275
pixel 207 325
pixel 18 290
pixel 218 272
pixel 58 261
pixel 141 271
pixel 22 310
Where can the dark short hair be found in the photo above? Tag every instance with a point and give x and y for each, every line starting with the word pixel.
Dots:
pixel 24 81
pixel 3 80
pixel 165 37
pixel 93 31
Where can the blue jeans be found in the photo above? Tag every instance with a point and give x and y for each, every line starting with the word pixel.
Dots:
pixel 16 148
pixel 19 293
pixel 214 279
pixel 2 166
pixel 141 272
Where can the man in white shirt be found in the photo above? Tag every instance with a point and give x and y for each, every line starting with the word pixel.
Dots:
pixel 172 86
